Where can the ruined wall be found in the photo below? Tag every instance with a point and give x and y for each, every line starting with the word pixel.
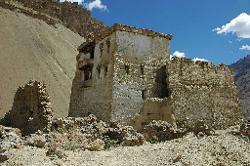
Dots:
pixel 139 72
pixel 95 95
pixel 201 90
pixel 31 110
pixel 153 109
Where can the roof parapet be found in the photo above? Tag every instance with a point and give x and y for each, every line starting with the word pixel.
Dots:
pixel 142 31
pixel 126 28
pixel 200 63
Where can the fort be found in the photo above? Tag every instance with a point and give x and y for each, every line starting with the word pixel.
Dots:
pixel 126 75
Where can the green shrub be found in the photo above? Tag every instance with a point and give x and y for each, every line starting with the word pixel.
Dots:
pixel 108 144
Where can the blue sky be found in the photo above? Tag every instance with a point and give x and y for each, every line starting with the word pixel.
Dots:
pixel 190 21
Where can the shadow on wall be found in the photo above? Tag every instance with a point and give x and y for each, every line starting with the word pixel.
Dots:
pixel 31 110
pixel 154 109
pixel 161 89
pixel 76 91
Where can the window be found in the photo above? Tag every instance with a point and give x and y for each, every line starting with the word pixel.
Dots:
pixel 142 69
pixel 126 68
pixel 89 48
pixel 92 53
pixel 161 88
pixel 106 70
pixel 87 72
pixel 143 94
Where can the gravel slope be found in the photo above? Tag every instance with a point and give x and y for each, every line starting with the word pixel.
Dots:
pixel 223 149
pixel 32 49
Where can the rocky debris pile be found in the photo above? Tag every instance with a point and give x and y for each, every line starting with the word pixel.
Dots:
pixel 158 131
pixel 70 134
pixel 198 127
pixel 9 138
pixel 31 110
pixel 90 133
pixel 245 129
pixel 125 135
pixel 81 134
pixel 54 152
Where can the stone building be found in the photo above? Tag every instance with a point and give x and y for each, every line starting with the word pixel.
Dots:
pixel 126 75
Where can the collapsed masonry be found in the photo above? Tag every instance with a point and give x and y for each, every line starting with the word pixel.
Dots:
pixel 31 110
pixel 127 76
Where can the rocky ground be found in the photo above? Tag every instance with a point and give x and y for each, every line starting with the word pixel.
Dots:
pixel 220 149
pixel 89 141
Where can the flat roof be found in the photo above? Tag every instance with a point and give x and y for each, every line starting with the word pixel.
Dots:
pixel 142 31
pixel 126 28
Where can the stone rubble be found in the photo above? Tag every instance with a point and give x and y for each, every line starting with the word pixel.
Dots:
pixel 245 129
pixel 9 138
pixel 91 134
pixel 161 131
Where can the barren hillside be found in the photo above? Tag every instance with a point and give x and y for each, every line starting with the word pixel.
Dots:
pixel 242 79
pixel 32 49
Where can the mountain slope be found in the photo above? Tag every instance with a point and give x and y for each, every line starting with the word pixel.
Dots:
pixel 32 49
pixel 71 15
pixel 242 79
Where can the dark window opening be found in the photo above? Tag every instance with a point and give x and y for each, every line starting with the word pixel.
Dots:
pixel 106 70
pixel 142 69
pixel 126 68
pixel 87 69
pixel 161 86
pixel 89 48
pixel 92 54
pixel 143 94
